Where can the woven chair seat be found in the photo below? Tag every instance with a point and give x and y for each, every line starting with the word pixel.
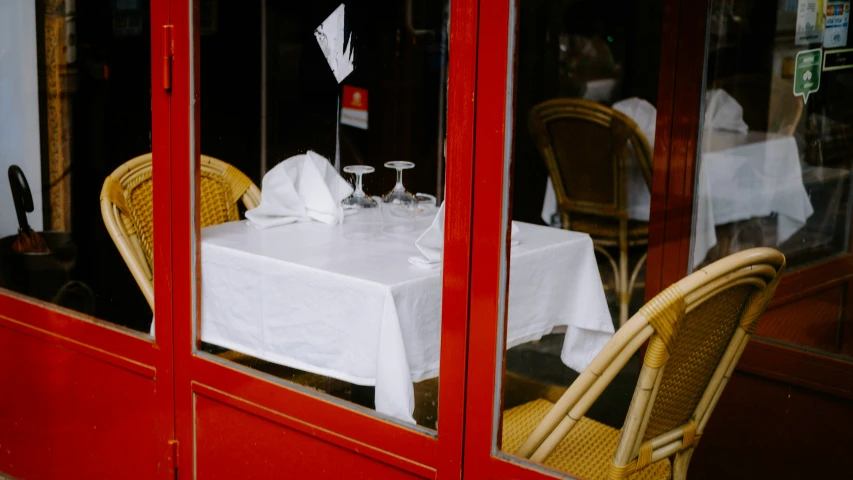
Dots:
pixel 585 452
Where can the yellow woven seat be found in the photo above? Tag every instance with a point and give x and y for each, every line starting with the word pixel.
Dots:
pixel 585 452
pixel 696 331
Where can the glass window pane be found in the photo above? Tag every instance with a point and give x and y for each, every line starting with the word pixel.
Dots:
pixel 777 149
pixel 585 95
pixel 75 106
pixel 774 169
pixel 310 267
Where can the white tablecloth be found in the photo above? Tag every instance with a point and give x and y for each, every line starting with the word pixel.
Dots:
pixel 303 296
pixel 741 176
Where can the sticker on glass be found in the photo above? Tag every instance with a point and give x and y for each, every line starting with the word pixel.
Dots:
pixel 807 73
pixel 809 24
pixel 836 20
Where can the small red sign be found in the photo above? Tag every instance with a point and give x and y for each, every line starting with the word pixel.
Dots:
pixel 354 108
pixel 355 98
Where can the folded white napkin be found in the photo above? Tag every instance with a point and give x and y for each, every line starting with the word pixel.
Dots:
pixel 722 112
pixel 643 113
pixel 431 242
pixel 300 189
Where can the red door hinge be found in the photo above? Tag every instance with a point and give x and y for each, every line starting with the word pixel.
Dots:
pixel 168 53
pixel 172 455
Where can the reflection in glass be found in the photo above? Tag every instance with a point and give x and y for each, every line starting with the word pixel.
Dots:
pixel 312 287
pixel 774 166
pixel 74 108
pixel 583 148
pixel 774 169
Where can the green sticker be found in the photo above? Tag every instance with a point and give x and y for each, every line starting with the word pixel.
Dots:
pixel 807 73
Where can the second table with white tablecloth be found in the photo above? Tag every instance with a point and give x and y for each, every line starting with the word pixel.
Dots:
pixel 304 296
pixel 741 176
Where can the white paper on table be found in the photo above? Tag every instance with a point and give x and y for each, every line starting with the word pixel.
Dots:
pixel 300 189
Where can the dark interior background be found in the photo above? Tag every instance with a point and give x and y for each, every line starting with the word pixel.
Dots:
pixel 633 29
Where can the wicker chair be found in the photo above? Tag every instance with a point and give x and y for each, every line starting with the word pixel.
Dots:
pixel 127 208
pixel 587 147
pixel 697 330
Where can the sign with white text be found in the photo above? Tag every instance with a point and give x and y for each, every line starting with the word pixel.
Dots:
pixel 807 73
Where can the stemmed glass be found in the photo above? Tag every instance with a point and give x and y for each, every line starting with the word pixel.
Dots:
pixel 362 216
pixel 398 195
pixel 399 207
pixel 358 197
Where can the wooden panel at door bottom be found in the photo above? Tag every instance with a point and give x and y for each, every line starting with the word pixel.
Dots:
pixel 813 321
pixel 763 428
pixel 66 414
pixel 233 442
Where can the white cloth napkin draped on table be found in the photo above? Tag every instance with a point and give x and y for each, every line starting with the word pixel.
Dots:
pixel 300 189
pixel 431 242
pixel 723 112
pixel 644 114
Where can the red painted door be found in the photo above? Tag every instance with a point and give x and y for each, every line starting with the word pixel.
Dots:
pixel 775 173
pixel 551 92
pixel 307 344
pixel 86 386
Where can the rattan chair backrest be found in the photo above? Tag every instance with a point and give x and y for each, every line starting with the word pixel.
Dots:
pixel 127 208
pixel 587 148
pixel 696 331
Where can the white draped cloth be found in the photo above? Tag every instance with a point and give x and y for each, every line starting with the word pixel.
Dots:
pixel 304 296
pixel 742 174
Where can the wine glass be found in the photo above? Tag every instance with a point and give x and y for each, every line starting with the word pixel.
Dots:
pixel 399 207
pixel 362 217
pixel 398 195
pixel 359 198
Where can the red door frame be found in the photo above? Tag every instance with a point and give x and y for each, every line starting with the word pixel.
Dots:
pixel 290 408
pixel 94 374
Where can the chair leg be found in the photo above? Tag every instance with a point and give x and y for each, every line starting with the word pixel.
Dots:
pixel 680 464
pixel 636 272
pixel 623 290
